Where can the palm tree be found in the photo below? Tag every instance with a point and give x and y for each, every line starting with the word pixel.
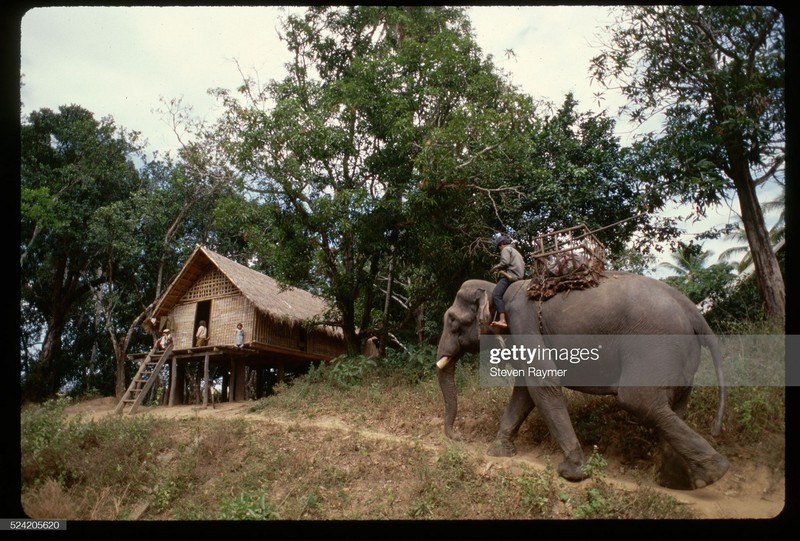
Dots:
pixel 689 260
pixel 776 234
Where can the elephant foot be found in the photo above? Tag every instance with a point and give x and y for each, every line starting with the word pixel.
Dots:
pixel 678 474
pixel 501 447
pixel 710 471
pixel 453 434
pixel 572 468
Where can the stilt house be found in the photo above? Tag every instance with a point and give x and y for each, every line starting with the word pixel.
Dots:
pixel 280 326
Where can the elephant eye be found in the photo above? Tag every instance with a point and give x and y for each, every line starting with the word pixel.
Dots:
pixel 452 323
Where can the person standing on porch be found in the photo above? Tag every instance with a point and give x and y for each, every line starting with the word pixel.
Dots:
pixel 201 335
pixel 238 336
pixel 165 340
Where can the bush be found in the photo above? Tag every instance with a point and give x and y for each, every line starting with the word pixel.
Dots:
pixel 412 365
pixel 43 440
pixel 119 450
pixel 247 506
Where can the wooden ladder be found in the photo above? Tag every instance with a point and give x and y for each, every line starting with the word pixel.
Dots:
pixel 144 379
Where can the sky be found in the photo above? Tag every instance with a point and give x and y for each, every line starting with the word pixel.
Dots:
pixel 123 62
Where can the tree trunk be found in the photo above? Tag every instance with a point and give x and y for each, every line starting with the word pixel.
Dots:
pixel 765 262
pixel 119 365
pixel 351 338
pixel 386 306
pixel 419 328
pixel 45 381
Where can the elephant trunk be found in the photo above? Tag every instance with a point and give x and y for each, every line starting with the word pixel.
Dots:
pixel 446 373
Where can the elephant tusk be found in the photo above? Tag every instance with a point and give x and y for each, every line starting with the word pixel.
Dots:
pixel 441 363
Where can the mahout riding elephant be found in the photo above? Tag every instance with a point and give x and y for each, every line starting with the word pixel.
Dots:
pixel 652 383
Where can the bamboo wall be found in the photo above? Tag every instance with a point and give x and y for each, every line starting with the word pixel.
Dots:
pixel 282 334
pixel 182 329
pixel 226 312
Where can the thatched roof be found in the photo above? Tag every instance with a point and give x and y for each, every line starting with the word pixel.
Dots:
pixel 266 294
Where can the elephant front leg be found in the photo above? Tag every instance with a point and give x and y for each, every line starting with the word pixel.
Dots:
pixel 518 409
pixel 553 408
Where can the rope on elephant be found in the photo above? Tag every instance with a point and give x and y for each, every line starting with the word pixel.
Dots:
pixel 567 259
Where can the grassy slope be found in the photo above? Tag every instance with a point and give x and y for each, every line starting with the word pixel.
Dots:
pixel 318 450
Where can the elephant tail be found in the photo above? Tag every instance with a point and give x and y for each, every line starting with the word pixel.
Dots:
pixel 709 340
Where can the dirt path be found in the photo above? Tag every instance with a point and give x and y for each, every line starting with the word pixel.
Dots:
pixel 746 491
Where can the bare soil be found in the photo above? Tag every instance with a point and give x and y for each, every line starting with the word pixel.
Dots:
pixel 750 490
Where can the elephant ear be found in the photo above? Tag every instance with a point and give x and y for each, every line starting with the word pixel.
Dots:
pixel 484 311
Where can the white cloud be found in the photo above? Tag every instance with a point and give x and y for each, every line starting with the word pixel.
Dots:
pixel 119 61
pixel 552 47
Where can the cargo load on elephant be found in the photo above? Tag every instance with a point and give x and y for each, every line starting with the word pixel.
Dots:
pixel 571 258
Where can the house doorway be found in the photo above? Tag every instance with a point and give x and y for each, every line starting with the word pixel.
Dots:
pixel 202 313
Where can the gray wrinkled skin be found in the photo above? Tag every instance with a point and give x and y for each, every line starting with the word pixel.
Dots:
pixel 623 304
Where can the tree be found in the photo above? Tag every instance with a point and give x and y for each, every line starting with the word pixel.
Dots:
pixel 717 74
pixel 575 175
pixel 688 260
pixel 386 115
pixel 694 278
pixel 776 233
pixel 72 166
pixel 99 241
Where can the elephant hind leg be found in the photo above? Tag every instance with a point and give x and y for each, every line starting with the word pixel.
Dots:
pixel 687 460
pixel 678 472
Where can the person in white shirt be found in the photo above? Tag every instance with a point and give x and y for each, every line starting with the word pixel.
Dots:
pixel 201 335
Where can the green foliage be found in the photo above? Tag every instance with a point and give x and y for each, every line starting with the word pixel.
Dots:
pixel 573 177
pixel 412 365
pixel 394 147
pixel 741 310
pixel 75 175
pixel 56 447
pixel 165 494
pixel 537 492
pixel 600 501
pixel 43 437
pixel 594 505
pixel 703 283
pixel 109 234
pixel 333 161
pixel 344 371
pixel 452 472
pixel 757 410
pixel 591 422
pixel 595 464
pixel 717 75
pixel 452 463
pixel 247 506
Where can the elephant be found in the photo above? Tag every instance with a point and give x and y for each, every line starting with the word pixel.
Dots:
pixel 622 305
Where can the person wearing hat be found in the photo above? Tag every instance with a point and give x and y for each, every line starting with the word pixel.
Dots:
pixel 511 268
pixel 165 340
